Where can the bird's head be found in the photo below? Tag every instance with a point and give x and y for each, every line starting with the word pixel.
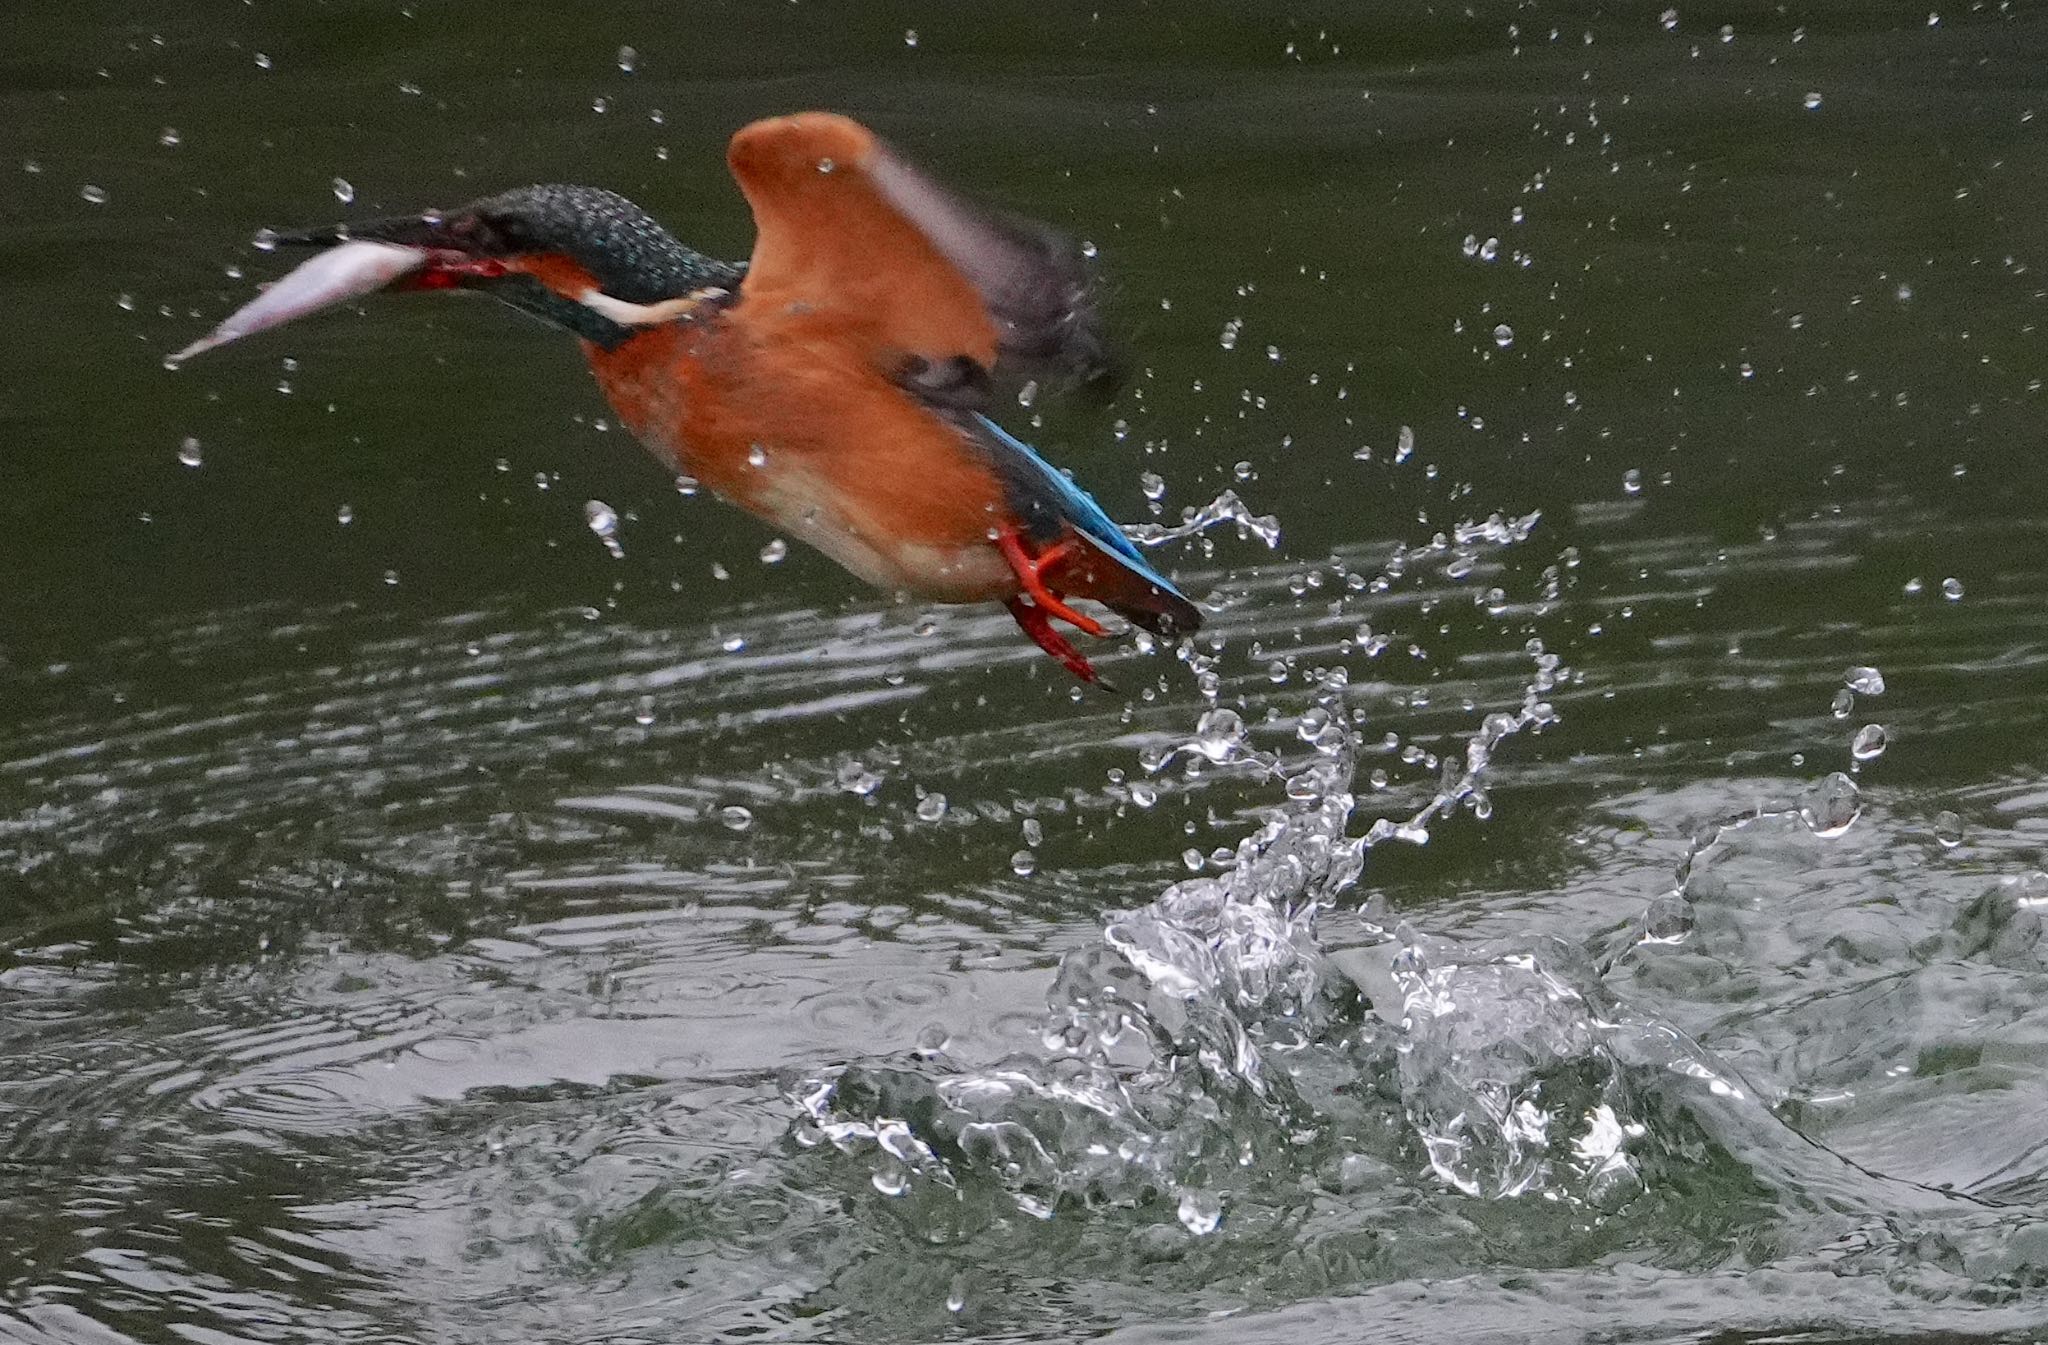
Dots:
pixel 582 258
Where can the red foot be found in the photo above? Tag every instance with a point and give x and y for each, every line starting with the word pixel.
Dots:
pixel 1038 626
pixel 1031 574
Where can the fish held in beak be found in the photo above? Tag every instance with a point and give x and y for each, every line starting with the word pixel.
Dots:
pixel 335 276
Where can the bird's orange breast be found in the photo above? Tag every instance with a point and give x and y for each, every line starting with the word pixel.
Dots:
pixel 784 414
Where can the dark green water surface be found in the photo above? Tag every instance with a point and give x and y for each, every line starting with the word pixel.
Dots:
pixel 418 925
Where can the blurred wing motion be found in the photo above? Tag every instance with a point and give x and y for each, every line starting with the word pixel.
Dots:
pixel 322 281
pixel 1104 564
pixel 846 226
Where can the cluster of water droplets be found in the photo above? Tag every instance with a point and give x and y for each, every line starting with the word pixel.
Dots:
pixel 1209 1051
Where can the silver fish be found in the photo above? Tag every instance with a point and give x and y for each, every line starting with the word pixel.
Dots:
pixel 323 280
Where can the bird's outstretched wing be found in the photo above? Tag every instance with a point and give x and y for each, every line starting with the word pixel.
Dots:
pixel 951 291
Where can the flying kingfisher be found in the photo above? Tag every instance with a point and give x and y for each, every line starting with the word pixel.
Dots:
pixel 837 385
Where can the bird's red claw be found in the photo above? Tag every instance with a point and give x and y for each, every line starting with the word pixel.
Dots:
pixel 1036 622
pixel 1030 572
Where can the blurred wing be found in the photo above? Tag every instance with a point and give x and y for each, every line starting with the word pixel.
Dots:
pixel 846 225
pixel 1110 569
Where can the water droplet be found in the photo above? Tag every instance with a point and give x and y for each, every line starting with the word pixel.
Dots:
pixel 1669 19
pixel 169 137
pixel 910 37
pixel 1200 1212
pixel 262 60
pixel 344 191
pixel 826 165
pixel 391 578
pixel 1230 329
pixel 643 711
pixel 735 817
pixel 1869 743
pixel 1904 293
pixel 188 452
pixel 956 1294
pixel 629 59
pixel 1219 734
pixel 1831 805
pixel 264 240
pixel 1864 681
pixel 1023 863
pixel 733 644
pixel 1404 444
pixel 1088 248
pixel 1952 589
pixel 1489 250
pixel 345 515
pixel 890 1177
pixel 1844 702
pixel 773 553
pixel 1632 482
pixel 92 194
pixel 1033 831
pixel 757 456
pixel 857 779
pixel 1153 484
pixel 1811 101
pixel 604 521
pixel 1503 336
pixel 1948 829
pixel 600 105
pixel 931 807
pixel 1028 394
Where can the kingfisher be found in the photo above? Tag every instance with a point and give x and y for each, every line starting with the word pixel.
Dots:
pixel 838 384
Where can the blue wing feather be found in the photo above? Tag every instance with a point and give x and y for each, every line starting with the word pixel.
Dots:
pixel 1022 465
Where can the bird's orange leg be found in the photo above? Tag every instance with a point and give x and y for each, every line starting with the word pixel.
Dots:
pixel 1031 575
pixel 1038 626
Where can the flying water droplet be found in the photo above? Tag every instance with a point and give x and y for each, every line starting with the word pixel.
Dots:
pixel 1811 102
pixel 1201 1212
pixel 735 817
pixel 93 195
pixel 604 521
pixel 773 553
pixel 931 807
pixel 1503 336
pixel 910 37
pixel 643 712
pixel 1632 482
pixel 1869 743
pixel 1831 805
pixel 1153 484
pixel 262 60
pixel 956 1294
pixel 344 191
pixel 1669 19
pixel 629 59
pixel 169 137
pixel 1404 444
pixel 1864 681
pixel 188 452
pixel 757 456
pixel 1023 863
pixel 1948 829
pixel 1952 589
pixel 1844 702
pixel 345 515
pixel 264 240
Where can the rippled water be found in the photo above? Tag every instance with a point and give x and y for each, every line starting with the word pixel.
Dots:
pixel 1588 885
